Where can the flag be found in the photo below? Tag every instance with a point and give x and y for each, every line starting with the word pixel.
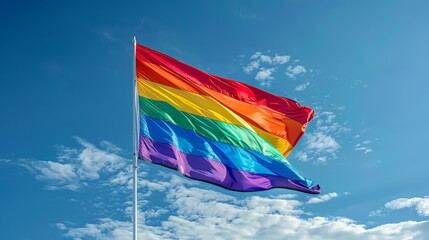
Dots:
pixel 214 129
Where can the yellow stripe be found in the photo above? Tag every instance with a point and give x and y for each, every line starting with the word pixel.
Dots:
pixel 205 106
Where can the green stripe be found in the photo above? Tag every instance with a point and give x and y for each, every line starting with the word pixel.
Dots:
pixel 211 129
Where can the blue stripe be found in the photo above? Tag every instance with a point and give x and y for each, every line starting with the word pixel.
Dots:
pixel 189 142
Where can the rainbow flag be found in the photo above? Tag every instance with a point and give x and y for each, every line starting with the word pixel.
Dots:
pixel 217 130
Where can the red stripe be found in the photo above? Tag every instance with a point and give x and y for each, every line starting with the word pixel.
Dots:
pixel 234 89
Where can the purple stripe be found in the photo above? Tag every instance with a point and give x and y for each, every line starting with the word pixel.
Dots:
pixel 214 172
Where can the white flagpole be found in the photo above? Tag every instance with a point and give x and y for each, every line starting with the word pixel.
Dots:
pixel 136 139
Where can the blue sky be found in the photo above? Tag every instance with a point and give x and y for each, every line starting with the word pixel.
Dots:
pixel 66 124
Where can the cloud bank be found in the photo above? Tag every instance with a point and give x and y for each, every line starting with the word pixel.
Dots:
pixel 184 210
pixel 195 213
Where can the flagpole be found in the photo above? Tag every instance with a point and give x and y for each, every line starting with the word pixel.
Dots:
pixel 135 143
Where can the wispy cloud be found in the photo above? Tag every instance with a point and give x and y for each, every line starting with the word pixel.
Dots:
pixel 293 71
pixel 321 144
pixel 92 160
pixel 55 175
pixel 2 160
pixel 323 198
pixel 253 65
pixel 74 167
pixel 255 56
pixel 302 87
pixel 364 147
pixel 376 213
pixel 420 204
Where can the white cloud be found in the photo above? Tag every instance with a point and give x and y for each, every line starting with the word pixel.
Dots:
pixel 75 166
pixel 61 226
pixel 376 213
pixel 297 69
pixel 322 159
pixel 293 71
pixel 92 161
pixel 365 150
pixel 55 171
pixel 321 144
pixel 266 59
pixel 264 76
pixel 364 147
pixel 57 175
pixel 278 59
pixel 196 213
pixel 323 198
pixel 302 87
pixel 247 225
pixel 65 153
pixel 251 66
pixel 421 205
pixel 302 156
pixel 256 55
pixel 329 118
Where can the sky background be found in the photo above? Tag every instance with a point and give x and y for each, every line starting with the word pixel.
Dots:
pixel 66 117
